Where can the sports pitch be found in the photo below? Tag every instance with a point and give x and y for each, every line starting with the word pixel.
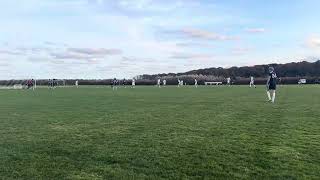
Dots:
pixel 152 133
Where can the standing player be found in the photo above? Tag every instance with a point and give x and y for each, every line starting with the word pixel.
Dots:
pixel 229 81
pixel 77 83
pixel 114 84
pixel 124 82
pixel 196 83
pixel 252 82
pixel 271 85
pixel 159 83
pixel 133 83
pixel 54 83
pixel 179 82
pixel 30 84
pixel 164 82
pixel 49 83
pixel 33 83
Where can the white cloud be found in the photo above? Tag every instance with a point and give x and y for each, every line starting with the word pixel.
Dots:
pixel 255 30
pixel 194 44
pixel 4 64
pixel 146 6
pixel 9 52
pixel 38 59
pixel 136 5
pixel 202 34
pixel 313 42
pixel 192 56
pixel 240 50
pixel 95 51
pixel 68 55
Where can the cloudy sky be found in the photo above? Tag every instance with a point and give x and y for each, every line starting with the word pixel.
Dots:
pixel 124 38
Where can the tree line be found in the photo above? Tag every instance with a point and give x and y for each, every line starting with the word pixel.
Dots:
pixel 288 73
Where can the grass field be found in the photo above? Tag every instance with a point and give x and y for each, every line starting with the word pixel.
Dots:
pixel 151 133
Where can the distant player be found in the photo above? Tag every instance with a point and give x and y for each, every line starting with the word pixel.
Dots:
pixel 196 83
pixel 164 82
pixel 77 84
pixel 55 83
pixel 133 83
pixel 33 84
pixel 179 82
pixel 30 84
pixel 229 81
pixel 51 83
pixel 114 84
pixel 252 82
pixel 159 83
pixel 271 85
pixel 124 82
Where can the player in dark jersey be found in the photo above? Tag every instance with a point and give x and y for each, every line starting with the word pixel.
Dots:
pixel 33 83
pixel 114 84
pixel 271 85
pixel 28 84
pixel 124 83
pixel 50 83
pixel 54 83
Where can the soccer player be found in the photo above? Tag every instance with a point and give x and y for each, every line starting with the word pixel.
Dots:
pixel 50 83
pixel 252 82
pixel 164 82
pixel 228 81
pixel 159 83
pixel 54 83
pixel 196 83
pixel 77 83
pixel 33 83
pixel 29 84
pixel 133 83
pixel 124 82
pixel 114 84
pixel 271 85
pixel 179 82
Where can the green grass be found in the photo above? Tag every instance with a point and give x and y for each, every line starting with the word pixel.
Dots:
pixel 151 133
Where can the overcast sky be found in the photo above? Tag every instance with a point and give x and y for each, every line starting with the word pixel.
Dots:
pixel 124 38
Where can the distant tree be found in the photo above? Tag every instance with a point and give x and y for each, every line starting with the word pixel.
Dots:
pixel 290 72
